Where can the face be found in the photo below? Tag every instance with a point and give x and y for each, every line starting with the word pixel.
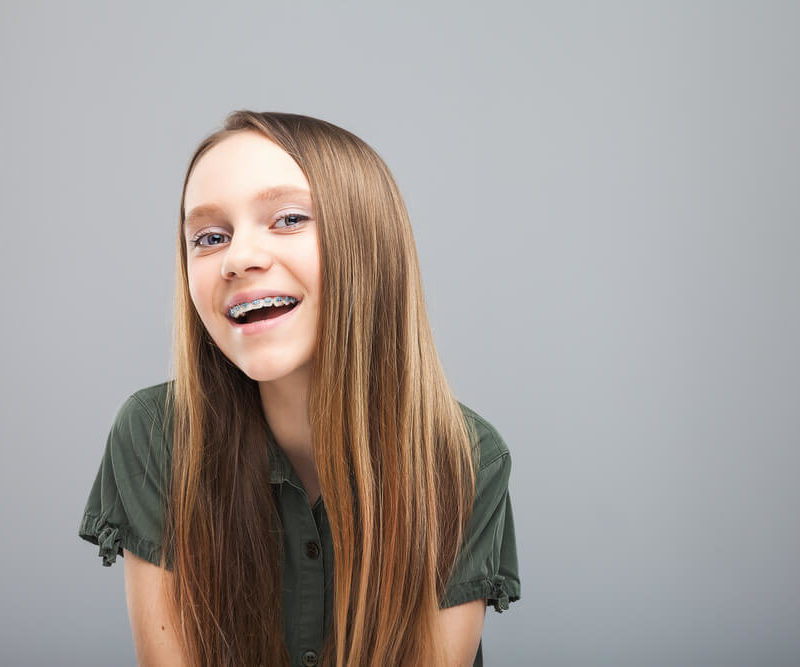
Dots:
pixel 251 233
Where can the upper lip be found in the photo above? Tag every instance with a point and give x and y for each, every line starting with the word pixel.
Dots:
pixel 244 297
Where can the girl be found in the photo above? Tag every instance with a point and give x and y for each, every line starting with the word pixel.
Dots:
pixel 307 490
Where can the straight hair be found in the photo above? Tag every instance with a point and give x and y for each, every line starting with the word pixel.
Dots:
pixel 394 454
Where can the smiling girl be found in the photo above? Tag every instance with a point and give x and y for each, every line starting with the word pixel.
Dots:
pixel 307 490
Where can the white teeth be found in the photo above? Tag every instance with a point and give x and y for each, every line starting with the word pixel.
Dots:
pixel 242 308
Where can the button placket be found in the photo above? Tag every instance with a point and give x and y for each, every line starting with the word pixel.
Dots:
pixel 304 572
pixel 305 631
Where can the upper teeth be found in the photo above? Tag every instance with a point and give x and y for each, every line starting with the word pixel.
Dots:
pixel 242 308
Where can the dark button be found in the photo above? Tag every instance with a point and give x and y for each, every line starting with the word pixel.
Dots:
pixel 312 551
pixel 310 657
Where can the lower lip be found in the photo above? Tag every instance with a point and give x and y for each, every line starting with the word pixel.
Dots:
pixel 253 328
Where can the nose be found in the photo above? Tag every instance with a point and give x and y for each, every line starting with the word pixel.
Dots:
pixel 246 252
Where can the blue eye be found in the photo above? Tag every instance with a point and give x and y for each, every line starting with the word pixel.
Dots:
pixel 197 240
pixel 211 239
pixel 294 218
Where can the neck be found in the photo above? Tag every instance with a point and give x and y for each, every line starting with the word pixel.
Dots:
pixel 285 406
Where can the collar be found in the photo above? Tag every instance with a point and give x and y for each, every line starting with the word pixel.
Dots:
pixel 280 469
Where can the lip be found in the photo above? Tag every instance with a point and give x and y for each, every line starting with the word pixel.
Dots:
pixel 252 295
pixel 253 328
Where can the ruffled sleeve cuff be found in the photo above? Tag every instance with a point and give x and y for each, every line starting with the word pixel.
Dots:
pixel 112 538
pixel 498 591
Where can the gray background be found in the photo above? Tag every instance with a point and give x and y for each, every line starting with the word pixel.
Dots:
pixel 605 201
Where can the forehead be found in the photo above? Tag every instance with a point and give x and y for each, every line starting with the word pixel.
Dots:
pixel 239 167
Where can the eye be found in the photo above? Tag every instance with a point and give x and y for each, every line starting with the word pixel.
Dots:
pixel 213 238
pixel 290 220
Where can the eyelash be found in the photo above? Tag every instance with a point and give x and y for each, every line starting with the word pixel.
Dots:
pixel 195 241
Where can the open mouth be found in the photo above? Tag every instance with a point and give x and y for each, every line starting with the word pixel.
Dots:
pixel 264 313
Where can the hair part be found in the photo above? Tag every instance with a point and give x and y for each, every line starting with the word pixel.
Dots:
pixel 394 455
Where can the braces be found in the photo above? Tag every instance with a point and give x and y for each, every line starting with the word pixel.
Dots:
pixel 242 308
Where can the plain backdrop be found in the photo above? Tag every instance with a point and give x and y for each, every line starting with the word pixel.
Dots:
pixel 605 203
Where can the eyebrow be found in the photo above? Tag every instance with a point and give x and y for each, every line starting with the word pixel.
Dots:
pixel 268 194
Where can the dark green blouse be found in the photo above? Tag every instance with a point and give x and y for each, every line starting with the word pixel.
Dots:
pixel 125 509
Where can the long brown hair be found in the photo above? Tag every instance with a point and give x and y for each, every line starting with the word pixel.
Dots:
pixel 394 454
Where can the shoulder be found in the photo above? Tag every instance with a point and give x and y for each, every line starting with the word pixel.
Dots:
pixel 149 402
pixel 486 566
pixel 491 448
pixel 149 405
pixel 125 507
pixel 142 426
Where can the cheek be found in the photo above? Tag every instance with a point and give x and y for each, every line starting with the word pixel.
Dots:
pixel 198 289
pixel 192 281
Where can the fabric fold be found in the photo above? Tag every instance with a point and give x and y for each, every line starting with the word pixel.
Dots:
pixel 110 540
pixel 113 537
pixel 499 593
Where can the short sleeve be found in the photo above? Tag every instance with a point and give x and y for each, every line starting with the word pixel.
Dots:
pixel 486 566
pixel 126 503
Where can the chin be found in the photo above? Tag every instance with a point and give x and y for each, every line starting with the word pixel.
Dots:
pixel 265 371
